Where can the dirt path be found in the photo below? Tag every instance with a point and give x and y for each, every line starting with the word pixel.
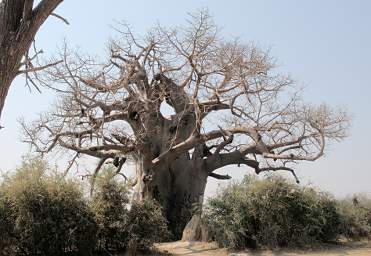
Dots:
pixel 210 249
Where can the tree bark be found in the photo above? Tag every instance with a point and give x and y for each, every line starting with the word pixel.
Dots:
pixel 19 23
pixel 178 186
pixel 196 230
pixel 4 88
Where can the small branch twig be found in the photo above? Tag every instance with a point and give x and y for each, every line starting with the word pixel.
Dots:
pixel 36 69
pixel 283 168
pixel 60 17
pixel 70 164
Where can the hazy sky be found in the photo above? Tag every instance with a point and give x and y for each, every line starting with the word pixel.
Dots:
pixel 324 45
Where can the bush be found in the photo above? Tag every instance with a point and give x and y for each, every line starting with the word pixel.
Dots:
pixel 41 213
pixel 147 225
pixel 120 228
pixel 355 217
pixel 272 213
pixel 109 204
pixel 51 216
pixel 7 223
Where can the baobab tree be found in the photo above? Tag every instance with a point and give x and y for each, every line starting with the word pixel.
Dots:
pixel 230 107
pixel 19 23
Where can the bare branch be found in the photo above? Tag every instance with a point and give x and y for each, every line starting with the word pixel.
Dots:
pixel 95 174
pixel 219 176
pixel 60 17
pixel 279 168
pixel 36 69
pixel 70 164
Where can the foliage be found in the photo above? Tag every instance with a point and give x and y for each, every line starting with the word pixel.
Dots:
pixel 272 213
pixel 41 213
pixel 51 215
pixel 147 225
pixel 119 227
pixel 7 223
pixel 109 204
pixel 355 217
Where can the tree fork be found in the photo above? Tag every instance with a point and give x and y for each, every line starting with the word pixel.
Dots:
pixel 19 23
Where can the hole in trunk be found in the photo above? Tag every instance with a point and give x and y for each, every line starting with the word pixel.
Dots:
pixel 166 110
pixel 134 115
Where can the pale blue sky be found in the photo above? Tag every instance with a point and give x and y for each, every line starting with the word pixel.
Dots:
pixel 324 45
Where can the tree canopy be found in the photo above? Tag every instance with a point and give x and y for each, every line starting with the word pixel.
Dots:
pixel 111 109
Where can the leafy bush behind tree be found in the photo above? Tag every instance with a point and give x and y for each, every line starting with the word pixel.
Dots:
pixel 356 216
pixel 272 213
pixel 110 206
pixel 122 225
pixel 147 225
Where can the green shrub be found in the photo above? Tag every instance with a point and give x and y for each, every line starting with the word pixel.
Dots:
pixel 51 215
pixel 109 204
pixel 272 213
pixel 122 225
pixel 7 224
pixel 355 217
pixel 147 225
pixel 44 214
pixel 41 213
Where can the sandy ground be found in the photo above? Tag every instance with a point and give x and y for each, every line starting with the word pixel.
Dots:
pixel 197 248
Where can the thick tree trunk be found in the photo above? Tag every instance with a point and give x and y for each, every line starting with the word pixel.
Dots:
pixel 4 88
pixel 9 59
pixel 178 186
pixel 8 69
pixel 19 22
